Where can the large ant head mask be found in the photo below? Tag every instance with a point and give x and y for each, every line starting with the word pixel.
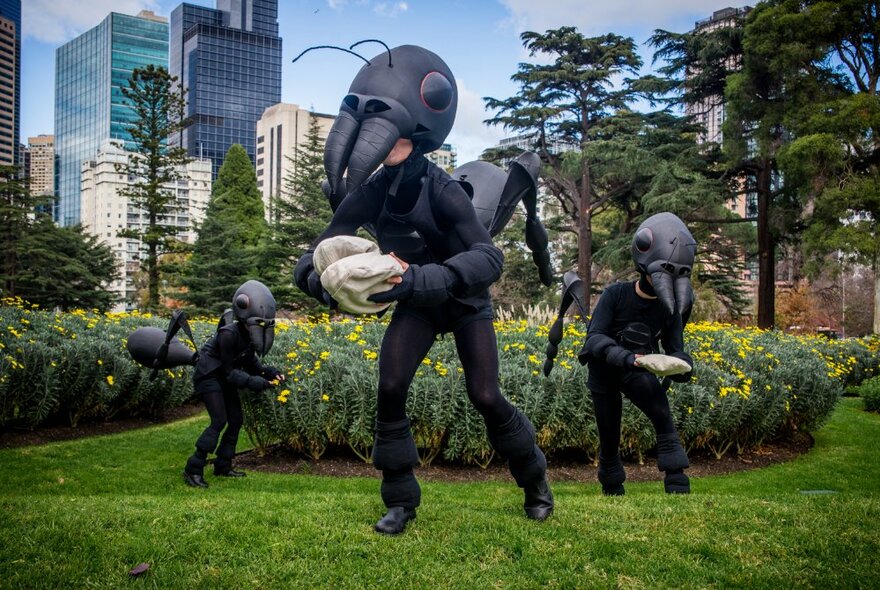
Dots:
pixel 254 306
pixel 407 92
pixel 664 249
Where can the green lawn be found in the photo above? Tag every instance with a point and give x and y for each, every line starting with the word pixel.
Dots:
pixel 82 513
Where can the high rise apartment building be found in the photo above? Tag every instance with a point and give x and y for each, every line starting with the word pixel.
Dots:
pixel 10 79
pixel 90 72
pixel 281 134
pixel 105 212
pixel 709 112
pixel 8 93
pixel 445 156
pixel 229 59
pixel 41 171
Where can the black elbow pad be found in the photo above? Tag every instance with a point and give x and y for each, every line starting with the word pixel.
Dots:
pixel 476 269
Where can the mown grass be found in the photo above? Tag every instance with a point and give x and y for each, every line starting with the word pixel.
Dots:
pixel 82 513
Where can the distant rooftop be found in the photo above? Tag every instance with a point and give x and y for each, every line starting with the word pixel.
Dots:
pixel 723 14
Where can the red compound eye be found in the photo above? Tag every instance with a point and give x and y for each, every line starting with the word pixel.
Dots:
pixel 436 91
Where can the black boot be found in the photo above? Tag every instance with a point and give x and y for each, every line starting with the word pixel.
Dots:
pixel 539 500
pixel 612 476
pixel 676 482
pixel 194 480
pixel 230 472
pixel 672 459
pixel 394 521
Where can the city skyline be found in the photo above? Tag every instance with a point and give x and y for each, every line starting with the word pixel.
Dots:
pixel 457 31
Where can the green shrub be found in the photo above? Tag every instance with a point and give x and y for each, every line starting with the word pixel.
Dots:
pixel 750 386
pixel 869 390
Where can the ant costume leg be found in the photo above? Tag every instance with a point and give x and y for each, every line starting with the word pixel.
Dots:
pixel 406 342
pixel 510 431
pixel 211 392
pixel 608 406
pixel 646 392
pixel 234 420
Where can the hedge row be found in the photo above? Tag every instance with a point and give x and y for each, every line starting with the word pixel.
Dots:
pixel 751 385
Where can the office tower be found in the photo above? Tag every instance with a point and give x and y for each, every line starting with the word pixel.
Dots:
pixel 90 72
pixel 105 212
pixel 229 59
pixel 281 134
pixel 41 171
pixel 10 78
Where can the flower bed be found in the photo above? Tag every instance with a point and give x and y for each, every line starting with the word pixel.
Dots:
pixel 750 386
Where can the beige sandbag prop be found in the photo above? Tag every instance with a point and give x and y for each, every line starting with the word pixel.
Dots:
pixel 337 248
pixel 352 269
pixel 663 365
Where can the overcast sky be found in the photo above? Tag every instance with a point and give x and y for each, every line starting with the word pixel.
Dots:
pixel 479 39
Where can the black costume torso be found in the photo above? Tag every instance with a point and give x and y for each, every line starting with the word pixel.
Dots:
pixel 430 203
pixel 619 307
pixel 228 355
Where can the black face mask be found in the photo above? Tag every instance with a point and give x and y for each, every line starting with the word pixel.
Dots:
pixel 645 286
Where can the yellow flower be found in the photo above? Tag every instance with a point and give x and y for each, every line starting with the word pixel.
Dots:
pixel 325 355
pixel 325 397
pixel 110 379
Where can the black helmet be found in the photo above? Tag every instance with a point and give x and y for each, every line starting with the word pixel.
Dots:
pixel 407 92
pixel 254 307
pixel 664 249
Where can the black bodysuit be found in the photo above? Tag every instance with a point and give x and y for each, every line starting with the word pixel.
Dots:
pixel 610 362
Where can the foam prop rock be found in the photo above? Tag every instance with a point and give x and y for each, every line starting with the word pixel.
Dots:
pixel 663 365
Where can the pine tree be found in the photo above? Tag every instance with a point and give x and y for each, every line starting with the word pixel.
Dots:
pixel 46 264
pixel 227 249
pixel 158 103
pixel 571 102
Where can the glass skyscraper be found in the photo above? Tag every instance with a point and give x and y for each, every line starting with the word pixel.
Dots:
pixel 90 72
pixel 229 60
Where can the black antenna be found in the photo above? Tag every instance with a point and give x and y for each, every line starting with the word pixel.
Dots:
pixel 382 43
pixel 331 47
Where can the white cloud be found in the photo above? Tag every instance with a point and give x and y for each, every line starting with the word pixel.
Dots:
pixel 51 21
pixel 390 8
pixel 470 136
pixel 596 17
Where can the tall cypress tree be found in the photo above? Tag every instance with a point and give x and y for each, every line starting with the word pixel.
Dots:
pixel 158 103
pixel 226 251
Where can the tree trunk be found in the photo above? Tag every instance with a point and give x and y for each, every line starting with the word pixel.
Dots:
pixel 876 326
pixel 152 269
pixel 585 235
pixel 766 251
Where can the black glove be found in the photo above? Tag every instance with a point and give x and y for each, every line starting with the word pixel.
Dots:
pixel 271 373
pixel 399 292
pixel 257 384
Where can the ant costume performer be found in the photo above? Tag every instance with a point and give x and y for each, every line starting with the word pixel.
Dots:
pixel 227 362
pixel 629 321
pixel 418 212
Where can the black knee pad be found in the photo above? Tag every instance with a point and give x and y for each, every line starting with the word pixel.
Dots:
pixel 611 475
pixel 515 440
pixel 400 489
pixel 394 448
pixel 670 453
